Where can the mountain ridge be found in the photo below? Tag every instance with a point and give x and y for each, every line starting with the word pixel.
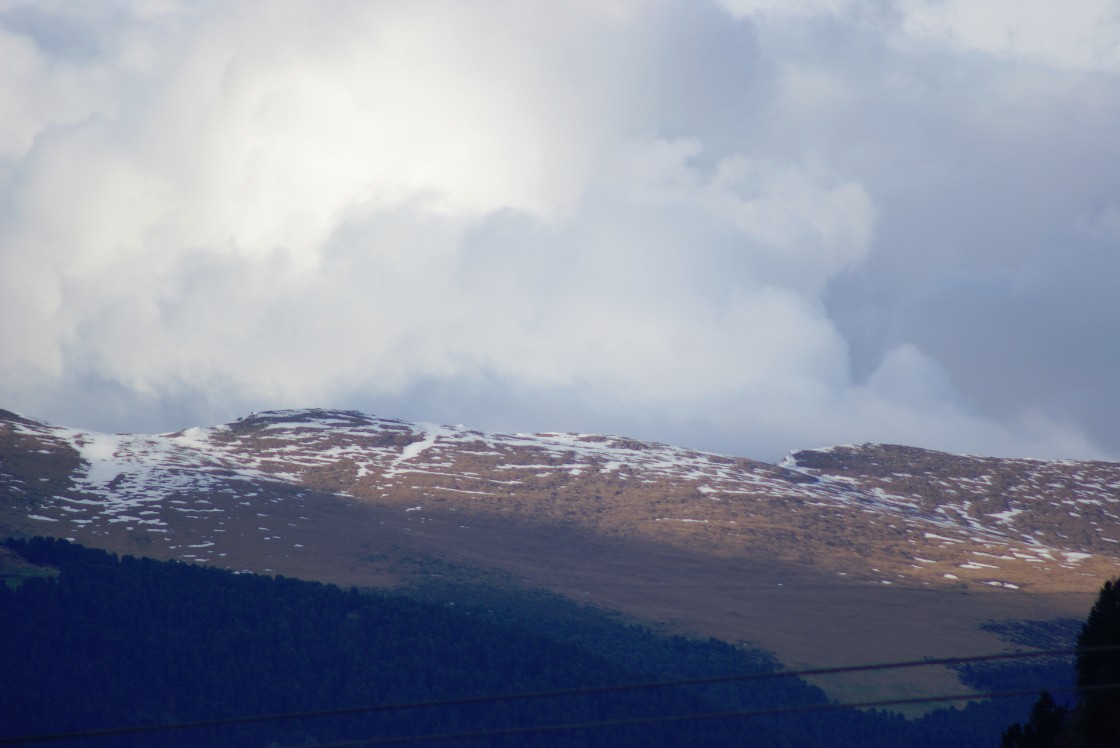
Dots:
pixel 948 516
pixel 906 550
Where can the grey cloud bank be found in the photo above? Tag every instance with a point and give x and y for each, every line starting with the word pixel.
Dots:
pixel 747 227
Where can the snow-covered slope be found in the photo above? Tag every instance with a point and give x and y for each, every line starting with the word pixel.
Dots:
pixel 884 514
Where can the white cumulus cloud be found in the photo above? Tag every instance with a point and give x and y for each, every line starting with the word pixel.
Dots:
pixel 725 225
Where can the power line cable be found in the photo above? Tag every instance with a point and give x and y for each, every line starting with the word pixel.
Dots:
pixel 638 721
pixel 556 693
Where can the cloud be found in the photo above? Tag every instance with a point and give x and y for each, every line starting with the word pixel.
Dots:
pixel 735 227
pixel 1079 35
pixel 791 9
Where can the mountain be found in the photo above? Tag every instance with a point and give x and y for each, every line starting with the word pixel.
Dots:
pixel 841 555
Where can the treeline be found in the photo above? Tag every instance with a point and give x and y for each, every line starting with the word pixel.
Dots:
pixel 114 642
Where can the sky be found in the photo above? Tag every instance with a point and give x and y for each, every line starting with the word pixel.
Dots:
pixel 747 226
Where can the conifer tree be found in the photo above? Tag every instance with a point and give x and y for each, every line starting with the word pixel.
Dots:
pixel 1095 721
pixel 1097 718
pixel 1043 730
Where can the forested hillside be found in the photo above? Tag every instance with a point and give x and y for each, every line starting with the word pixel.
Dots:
pixel 108 642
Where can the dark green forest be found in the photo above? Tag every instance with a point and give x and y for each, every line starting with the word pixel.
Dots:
pixel 108 642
